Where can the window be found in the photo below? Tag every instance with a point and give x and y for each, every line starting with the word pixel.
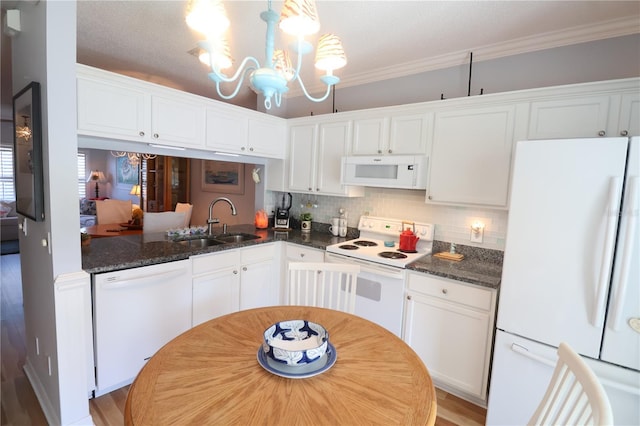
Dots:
pixel 82 173
pixel 7 188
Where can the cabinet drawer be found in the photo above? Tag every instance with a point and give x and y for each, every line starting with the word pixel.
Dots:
pixel 257 253
pixel 297 253
pixel 213 261
pixel 450 290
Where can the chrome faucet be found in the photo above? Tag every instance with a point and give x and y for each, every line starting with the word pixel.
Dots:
pixel 212 220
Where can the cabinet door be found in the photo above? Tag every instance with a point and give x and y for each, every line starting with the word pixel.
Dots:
pixel 471 156
pixel 177 121
pixel 296 253
pixel 370 136
pixel 409 133
pixel 267 138
pixel 260 278
pixel 215 294
pixel 227 131
pixel 451 340
pixel 301 158
pixel 569 118
pixel 112 110
pixel 332 146
pixel 629 123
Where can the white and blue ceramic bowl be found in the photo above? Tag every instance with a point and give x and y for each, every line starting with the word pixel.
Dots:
pixel 295 342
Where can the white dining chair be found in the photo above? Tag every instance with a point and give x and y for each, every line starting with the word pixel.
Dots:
pixel 325 285
pixel 185 208
pixel 113 211
pixel 574 395
pixel 161 222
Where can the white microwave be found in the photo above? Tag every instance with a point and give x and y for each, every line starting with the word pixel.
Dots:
pixel 391 171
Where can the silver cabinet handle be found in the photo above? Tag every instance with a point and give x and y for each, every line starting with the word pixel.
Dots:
pixel 379 151
pixel 301 254
pixel 408 297
pixel 445 291
pixel 390 151
pixel 244 268
pixel 235 272
pixel 251 149
pixel 155 136
pixel 243 148
pixel 141 133
pixel 430 197
pixel 602 133
pixel 624 133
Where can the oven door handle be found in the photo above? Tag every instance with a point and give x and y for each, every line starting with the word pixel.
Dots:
pixel 366 266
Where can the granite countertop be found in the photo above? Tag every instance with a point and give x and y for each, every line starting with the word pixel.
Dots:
pixel 480 266
pixel 132 251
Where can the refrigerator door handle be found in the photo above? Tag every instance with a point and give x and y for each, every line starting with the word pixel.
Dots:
pixel 607 254
pixel 632 390
pixel 630 214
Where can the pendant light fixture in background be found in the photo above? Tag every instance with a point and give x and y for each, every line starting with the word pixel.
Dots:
pixel 24 132
pixel 298 18
pixel 133 157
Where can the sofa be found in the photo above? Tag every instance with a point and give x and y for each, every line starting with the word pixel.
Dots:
pixel 8 221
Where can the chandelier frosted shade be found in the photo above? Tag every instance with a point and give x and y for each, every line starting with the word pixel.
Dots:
pixel 207 16
pixel 216 54
pixel 330 53
pixel 299 18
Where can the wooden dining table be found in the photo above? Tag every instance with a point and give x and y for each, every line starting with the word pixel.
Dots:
pixel 211 375
pixel 110 230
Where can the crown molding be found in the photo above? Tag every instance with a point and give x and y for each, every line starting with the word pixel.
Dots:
pixel 566 37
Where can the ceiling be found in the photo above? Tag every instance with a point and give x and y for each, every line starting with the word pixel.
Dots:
pixel 382 39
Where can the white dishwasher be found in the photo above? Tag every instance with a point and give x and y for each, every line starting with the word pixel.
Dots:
pixel 135 312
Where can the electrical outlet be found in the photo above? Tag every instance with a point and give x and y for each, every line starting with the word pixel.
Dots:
pixel 477 235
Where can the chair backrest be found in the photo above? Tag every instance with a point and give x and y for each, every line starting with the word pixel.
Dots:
pixel 113 211
pixel 574 396
pixel 160 222
pixel 326 285
pixel 185 208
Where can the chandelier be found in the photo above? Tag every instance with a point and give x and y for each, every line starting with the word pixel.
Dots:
pixel 298 18
pixel 24 132
pixel 133 157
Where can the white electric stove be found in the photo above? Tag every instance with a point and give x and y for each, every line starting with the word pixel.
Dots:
pixel 375 231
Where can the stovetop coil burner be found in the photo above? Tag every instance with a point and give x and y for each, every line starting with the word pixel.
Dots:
pixel 365 243
pixel 348 247
pixel 392 255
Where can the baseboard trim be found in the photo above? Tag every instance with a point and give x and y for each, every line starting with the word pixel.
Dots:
pixel 41 394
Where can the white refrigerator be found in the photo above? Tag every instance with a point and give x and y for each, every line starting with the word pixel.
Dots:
pixel 570 273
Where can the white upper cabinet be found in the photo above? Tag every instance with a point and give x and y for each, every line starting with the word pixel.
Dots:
pixel 240 131
pixel 470 159
pixel 315 158
pixel 574 117
pixel 393 134
pixel 629 122
pixel 118 107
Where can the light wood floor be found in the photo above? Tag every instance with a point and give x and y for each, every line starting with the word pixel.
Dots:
pixel 20 406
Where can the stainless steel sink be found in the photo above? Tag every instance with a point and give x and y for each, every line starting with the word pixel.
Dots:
pixel 236 238
pixel 201 242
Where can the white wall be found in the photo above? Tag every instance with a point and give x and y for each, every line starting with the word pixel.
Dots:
pixel 44 51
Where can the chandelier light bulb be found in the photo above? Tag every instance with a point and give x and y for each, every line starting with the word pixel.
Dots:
pixel 330 54
pixel 207 17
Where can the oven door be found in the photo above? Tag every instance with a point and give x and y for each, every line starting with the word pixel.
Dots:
pixel 380 292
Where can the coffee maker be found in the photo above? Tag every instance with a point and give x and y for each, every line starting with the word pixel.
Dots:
pixel 282 213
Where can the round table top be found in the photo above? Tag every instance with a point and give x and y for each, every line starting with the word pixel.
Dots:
pixel 211 375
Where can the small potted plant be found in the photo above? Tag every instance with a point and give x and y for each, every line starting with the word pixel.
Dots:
pixel 305 222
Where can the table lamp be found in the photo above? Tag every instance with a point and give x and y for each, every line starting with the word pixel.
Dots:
pixel 96 176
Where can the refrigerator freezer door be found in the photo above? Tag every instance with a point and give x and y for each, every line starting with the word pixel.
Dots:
pixel 521 373
pixel 560 240
pixel 621 344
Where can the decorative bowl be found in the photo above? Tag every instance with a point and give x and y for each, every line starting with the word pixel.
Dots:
pixel 295 342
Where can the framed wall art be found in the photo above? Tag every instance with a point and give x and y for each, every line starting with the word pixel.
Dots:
pixel 222 176
pixel 27 148
pixel 126 174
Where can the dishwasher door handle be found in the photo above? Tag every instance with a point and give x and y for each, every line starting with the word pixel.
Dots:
pixel 139 280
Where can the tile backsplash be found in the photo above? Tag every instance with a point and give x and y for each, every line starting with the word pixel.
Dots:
pixel 452 223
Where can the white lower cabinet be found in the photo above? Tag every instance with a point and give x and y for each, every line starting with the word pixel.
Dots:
pixel 136 312
pixel 229 281
pixel 450 326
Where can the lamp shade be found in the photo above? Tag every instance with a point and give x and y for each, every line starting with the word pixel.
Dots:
pixel 282 63
pixel 135 190
pixel 207 17
pixel 96 176
pixel 219 52
pixel 330 54
pixel 299 17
